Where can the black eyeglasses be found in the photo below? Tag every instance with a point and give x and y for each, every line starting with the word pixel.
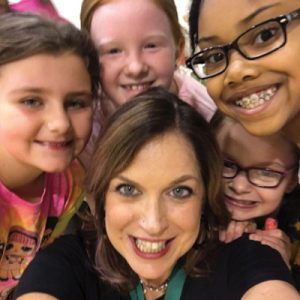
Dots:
pixel 258 41
pixel 260 177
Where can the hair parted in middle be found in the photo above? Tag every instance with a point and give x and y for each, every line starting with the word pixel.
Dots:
pixel 148 115
pixel 88 8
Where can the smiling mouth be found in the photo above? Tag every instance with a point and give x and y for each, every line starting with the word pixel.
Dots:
pixel 257 99
pixel 240 203
pixel 55 145
pixel 150 247
pixel 137 87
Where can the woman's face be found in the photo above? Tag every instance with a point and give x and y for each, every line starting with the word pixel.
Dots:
pixel 153 207
pixel 244 200
pixel 263 94
pixel 136 47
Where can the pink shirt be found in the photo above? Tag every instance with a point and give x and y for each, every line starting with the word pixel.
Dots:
pixel 26 226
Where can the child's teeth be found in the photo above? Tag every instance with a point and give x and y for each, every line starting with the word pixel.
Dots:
pixel 256 99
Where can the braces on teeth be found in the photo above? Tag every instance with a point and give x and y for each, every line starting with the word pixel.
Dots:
pixel 257 99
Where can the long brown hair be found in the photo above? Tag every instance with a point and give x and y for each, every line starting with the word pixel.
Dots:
pixel 148 115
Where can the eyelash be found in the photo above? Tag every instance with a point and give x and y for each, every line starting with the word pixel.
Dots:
pixel 132 190
pixel 187 192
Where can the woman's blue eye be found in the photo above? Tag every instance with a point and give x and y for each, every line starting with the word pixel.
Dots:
pixel 127 190
pixel 181 192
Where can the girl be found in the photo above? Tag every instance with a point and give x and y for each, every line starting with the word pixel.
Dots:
pixel 139 44
pixel 250 58
pixel 48 78
pixel 258 172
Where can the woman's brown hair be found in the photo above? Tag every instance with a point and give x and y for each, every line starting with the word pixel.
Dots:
pixel 148 115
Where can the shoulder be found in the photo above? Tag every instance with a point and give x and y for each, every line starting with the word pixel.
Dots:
pixel 60 270
pixel 238 267
pixel 194 93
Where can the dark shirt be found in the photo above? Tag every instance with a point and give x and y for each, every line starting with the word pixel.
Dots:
pixel 63 270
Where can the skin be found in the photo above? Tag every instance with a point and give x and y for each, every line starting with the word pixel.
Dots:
pixel 150 211
pixel 45 118
pixel 244 77
pixel 142 202
pixel 134 55
pixel 276 153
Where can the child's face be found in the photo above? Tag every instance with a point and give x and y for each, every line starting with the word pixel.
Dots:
pixel 45 112
pixel 275 76
pixel 136 47
pixel 244 200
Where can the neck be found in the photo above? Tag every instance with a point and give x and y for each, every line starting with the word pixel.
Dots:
pixel 26 182
pixel 152 292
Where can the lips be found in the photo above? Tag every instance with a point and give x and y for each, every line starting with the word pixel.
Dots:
pixel 151 249
pixel 137 87
pixel 255 98
pixel 239 203
pixel 55 145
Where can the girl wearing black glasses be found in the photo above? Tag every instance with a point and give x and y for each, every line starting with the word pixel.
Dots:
pixel 249 56
pixel 258 171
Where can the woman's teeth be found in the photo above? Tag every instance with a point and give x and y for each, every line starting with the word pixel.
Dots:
pixel 256 99
pixel 149 247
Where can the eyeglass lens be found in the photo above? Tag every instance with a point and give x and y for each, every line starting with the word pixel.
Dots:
pixel 256 176
pixel 254 43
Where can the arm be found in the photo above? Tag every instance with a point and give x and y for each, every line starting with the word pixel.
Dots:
pixel 36 296
pixel 253 267
pixel 272 290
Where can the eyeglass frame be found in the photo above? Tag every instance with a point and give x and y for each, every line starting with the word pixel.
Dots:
pixel 239 169
pixel 282 20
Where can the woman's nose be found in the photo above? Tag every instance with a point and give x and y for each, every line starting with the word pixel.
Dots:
pixel 153 218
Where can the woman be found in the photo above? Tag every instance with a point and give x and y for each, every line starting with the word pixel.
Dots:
pixel 156 181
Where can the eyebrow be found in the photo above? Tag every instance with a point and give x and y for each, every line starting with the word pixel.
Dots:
pixel 255 13
pixel 176 181
pixel 41 90
pixel 241 22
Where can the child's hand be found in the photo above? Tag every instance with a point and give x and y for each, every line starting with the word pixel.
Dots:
pixel 274 238
pixel 235 229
